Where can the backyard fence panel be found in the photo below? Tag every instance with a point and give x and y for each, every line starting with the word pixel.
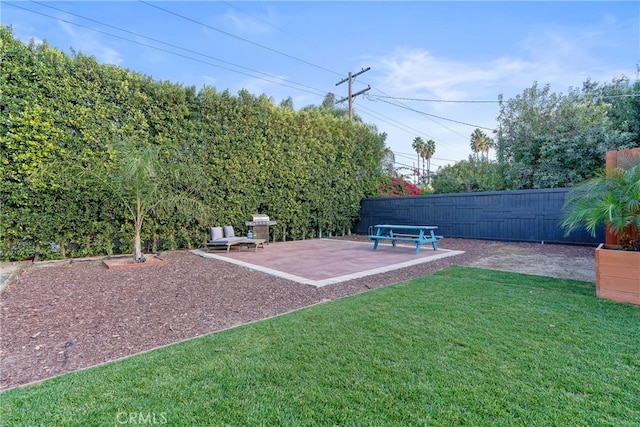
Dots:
pixel 521 216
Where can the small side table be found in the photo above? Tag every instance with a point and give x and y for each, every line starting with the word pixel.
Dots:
pixel 255 244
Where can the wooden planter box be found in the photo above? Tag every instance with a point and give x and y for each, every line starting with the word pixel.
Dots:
pixel 618 274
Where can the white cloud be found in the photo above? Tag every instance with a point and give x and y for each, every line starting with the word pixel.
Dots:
pixel 548 57
pixel 107 55
pixel 567 56
pixel 418 73
pixel 563 57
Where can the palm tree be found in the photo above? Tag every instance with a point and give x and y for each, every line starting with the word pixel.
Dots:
pixel 488 144
pixel 612 198
pixel 418 145
pixel 137 182
pixel 145 183
pixel 480 142
pixel 428 151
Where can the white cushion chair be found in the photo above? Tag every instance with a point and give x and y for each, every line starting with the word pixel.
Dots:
pixel 228 231
pixel 215 233
pixel 223 238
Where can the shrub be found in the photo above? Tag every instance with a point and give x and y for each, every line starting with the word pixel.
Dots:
pixel 398 187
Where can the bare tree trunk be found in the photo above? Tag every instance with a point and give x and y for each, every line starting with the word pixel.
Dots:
pixel 137 244
pixel 154 243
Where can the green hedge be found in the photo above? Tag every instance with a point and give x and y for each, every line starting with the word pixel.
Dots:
pixel 308 170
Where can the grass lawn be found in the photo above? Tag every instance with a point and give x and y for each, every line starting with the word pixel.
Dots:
pixel 461 347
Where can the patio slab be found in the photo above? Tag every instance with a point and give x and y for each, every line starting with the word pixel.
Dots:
pixel 321 262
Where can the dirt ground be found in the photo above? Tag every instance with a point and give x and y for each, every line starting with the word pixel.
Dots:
pixel 65 316
pixel 576 263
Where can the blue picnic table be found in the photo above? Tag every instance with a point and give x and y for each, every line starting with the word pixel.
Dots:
pixel 416 234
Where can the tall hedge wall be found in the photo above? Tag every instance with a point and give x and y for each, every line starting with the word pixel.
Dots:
pixel 307 170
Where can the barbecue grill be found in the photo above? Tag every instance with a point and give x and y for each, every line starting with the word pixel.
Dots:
pixel 260 226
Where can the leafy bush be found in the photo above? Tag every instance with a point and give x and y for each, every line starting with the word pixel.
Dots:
pixel 469 176
pixel 308 170
pixel 396 186
pixel 611 198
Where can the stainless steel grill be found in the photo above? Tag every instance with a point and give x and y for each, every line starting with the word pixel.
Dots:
pixel 260 226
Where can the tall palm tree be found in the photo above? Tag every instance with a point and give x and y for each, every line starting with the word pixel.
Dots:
pixel 428 151
pixel 480 142
pixel 488 144
pixel 418 145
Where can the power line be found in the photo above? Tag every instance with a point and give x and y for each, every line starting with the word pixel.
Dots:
pixel 319 92
pixel 238 37
pixel 312 46
pixel 351 94
pixel 376 115
pixel 407 107
pixel 278 81
pixel 378 96
pixel 409 129
pixel 413 168
pixel 439 117
pixel 407 155
pixel 436 100
pixel 429 118
pixel 394 123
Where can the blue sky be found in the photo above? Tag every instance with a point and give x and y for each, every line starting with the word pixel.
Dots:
pixel 417 52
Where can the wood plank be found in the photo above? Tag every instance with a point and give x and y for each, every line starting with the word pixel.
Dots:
pixel 614 270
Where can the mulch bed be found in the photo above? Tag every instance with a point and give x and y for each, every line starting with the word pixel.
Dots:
pixel 61 317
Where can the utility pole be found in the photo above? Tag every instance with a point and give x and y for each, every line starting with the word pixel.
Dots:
pixel 351 94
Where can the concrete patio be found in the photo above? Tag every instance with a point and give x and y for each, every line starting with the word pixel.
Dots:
pixel 321 262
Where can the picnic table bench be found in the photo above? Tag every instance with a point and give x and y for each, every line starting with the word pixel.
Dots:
pixel 416 234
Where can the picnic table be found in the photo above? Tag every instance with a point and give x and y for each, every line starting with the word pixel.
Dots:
pixel 416 234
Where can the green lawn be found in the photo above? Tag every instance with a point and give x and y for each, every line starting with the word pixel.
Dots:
pixel 461 347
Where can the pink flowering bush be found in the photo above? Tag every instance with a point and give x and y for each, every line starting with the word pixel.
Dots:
pixel 398 187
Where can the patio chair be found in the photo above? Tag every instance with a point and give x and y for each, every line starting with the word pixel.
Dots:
pixel 223 238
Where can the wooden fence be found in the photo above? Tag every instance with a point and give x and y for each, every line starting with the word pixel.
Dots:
pixel 520 216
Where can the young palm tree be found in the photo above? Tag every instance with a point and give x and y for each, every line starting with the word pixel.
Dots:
pixel 145 183
pixel 149 180
pixel 612 199
pixel 137 182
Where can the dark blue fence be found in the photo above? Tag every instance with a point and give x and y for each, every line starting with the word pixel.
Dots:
pixel 520 216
